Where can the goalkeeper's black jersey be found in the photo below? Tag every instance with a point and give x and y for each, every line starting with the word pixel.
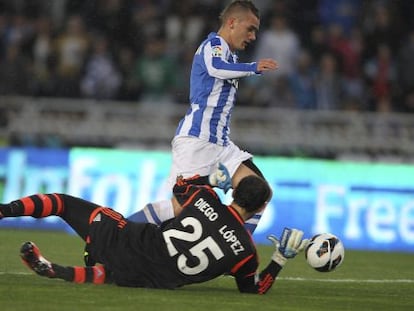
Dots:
pixel 206 240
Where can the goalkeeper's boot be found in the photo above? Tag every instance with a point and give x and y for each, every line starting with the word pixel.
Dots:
pixel 32 258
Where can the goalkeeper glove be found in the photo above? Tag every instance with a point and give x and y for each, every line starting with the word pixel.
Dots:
pixel 220 178
pixel 289 246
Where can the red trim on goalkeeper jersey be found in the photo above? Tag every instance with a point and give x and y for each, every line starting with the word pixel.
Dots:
pixel 241 263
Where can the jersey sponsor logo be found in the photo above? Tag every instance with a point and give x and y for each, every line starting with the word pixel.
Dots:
pixel 217 51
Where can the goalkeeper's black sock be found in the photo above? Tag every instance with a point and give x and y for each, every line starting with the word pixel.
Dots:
pixel 94 274
pixel 38 206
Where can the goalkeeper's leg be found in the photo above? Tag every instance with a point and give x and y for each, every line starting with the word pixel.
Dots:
pixel 37 206
pixel 31 256
pixel 94 274
pixel 74 211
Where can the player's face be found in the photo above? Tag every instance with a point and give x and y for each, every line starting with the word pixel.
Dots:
pixel 243 30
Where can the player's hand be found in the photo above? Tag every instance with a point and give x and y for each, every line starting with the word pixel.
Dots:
pixel 267 64
pixel 289 245
pixel 220 178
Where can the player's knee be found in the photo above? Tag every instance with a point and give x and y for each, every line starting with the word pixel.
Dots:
pixel 251 166
pixel 245 169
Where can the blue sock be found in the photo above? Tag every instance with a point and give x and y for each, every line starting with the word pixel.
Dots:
pixel 154 213
pixel 251 224
pixel 142 216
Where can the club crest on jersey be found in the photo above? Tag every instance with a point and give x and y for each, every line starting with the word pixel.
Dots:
pixel 217 51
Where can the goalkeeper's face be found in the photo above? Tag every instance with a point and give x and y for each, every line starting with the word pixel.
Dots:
pixel 243 30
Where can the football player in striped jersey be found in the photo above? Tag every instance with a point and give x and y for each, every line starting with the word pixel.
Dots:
pixel 202 137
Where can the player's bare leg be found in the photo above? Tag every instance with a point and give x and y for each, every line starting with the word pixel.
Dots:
pixel 242 171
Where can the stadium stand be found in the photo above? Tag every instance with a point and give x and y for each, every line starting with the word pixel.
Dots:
pixel 281 131
pixel 348 94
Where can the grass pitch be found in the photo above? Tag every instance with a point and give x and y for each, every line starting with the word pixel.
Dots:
pixel 365 281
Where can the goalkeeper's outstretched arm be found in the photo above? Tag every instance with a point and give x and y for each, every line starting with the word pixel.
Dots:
pixel 250 281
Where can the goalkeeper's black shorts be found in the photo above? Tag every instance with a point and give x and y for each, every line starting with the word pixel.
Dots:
pixel 134 253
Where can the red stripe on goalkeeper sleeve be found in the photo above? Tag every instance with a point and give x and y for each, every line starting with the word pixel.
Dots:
pixel 265 284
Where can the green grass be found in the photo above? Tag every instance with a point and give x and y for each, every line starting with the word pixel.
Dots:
pixel 365 281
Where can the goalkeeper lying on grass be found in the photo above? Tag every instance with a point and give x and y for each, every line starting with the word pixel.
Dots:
pixel 205 241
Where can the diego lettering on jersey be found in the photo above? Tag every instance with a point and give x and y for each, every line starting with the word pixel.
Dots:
pixel 232 239
pixel 203 206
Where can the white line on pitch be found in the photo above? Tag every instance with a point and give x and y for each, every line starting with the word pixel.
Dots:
pixel 346 280
pixel 15 273
pixel 297 279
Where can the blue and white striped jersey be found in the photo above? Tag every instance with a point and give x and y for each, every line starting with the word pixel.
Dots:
pixel 213 85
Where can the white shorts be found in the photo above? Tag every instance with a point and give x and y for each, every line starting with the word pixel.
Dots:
pixel 191 156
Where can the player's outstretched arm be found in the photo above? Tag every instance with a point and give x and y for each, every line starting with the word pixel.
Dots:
pixel 288 246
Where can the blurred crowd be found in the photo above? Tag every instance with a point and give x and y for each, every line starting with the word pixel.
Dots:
pixel 332 54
